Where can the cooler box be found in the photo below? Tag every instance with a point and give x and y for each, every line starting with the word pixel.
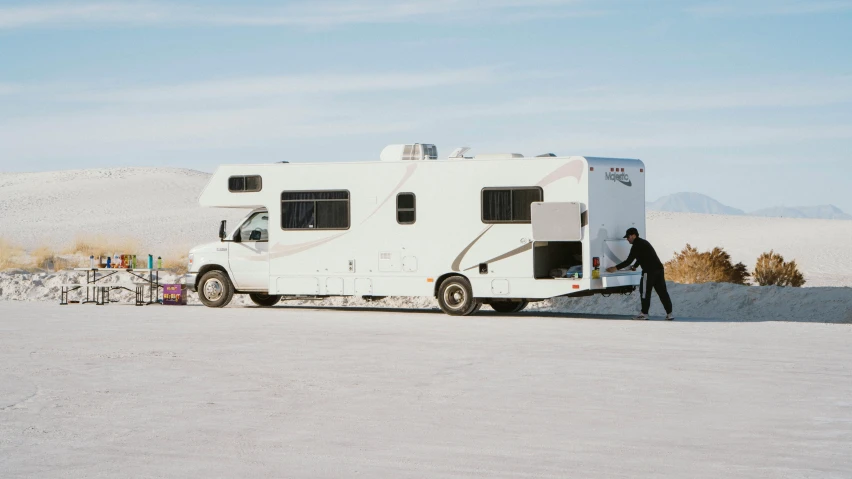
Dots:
pixel 174 294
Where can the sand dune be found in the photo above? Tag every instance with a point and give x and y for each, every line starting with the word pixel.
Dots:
pixel 158 207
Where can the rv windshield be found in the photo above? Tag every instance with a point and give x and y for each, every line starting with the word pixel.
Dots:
pixel 256 227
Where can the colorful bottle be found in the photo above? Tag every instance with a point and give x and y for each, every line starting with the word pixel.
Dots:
pixel 150 262
pixel 159 262
pixel 109 262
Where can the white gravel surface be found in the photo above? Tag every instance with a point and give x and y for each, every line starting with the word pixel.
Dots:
pixel 184 392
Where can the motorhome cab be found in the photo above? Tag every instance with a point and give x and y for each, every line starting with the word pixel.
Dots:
pixel 500 230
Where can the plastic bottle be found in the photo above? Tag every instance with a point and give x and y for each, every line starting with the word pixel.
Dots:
pixel 159 262
pixel 116 261
pixel 92 261
pixel 150 262
pixel 109 262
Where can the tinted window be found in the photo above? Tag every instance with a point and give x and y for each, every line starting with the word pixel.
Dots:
pixel 244 184
pixel 315 210
pixel 406 208
pixel 508 205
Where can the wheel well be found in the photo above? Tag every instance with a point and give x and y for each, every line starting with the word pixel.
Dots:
pixel 444 277
pixel 206 269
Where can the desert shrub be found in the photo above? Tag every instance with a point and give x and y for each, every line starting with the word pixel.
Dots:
pixel 11 256
pixel 97 245
pixel 772 270
pixel 176 263
pixel 691 267
pixel 45 257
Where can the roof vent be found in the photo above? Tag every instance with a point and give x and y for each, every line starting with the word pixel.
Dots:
pixel 458 153
pixel 410 152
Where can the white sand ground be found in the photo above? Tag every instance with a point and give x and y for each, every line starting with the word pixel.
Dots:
pixel 121 391
pixel 159 208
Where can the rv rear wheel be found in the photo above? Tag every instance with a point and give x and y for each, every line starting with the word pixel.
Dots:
pixel 455 297
pixel 509 306
pixel 215 289
pixel 263 299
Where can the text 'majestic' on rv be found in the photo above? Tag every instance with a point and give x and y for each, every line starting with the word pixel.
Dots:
pixel 498 229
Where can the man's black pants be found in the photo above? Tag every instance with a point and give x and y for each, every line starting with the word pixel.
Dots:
pixel 654 280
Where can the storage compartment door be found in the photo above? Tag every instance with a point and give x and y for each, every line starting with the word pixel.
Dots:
pixel 552 221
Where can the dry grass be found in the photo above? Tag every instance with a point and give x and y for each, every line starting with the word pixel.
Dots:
pixel 97 246
pixel 44 257
pixel 176 259
pixel 11 255
pixel 692 267
pixel 772 270
pixel 77 254
pixel 176 264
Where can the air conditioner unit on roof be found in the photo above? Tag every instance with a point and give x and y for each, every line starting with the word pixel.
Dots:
pixel 415 151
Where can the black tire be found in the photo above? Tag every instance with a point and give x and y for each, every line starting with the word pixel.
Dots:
pixel 215 289
pixel 265 300
pixel 455 297
pixel 509 306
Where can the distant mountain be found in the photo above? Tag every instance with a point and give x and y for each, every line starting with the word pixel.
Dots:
pixel 826 212
pixel 692 203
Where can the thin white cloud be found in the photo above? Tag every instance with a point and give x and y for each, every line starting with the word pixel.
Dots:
pixel 248 112
pixel 271 87
pixel 303 14
pixel 769 7
pixel 743 94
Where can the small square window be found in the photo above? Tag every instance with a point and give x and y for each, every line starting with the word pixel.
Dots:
pixel 245 184
pixel 406 208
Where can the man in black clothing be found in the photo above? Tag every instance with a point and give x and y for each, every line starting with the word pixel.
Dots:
pixel 653 274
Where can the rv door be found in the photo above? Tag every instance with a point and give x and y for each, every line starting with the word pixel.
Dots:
pixel 249 257
pixel 553 221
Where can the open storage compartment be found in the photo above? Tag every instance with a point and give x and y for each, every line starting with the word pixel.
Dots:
pixel 549 256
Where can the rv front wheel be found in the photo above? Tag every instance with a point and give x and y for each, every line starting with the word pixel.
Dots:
pixel 455 297
pixel 215 289
pixel 266 300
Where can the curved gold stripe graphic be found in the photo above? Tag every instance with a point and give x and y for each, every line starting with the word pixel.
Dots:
pixel 457 262
pixel 503 256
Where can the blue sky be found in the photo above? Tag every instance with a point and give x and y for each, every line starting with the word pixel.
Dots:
pixel 747 101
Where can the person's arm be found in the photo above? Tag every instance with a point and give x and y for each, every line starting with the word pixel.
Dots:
pixel 630 258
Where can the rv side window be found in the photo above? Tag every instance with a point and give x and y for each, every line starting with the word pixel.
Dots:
pixel 255 228
pixel 244 184
pixel 315 210
pixel 508 205
pixel 406 213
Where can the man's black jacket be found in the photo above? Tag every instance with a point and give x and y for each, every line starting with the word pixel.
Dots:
pixel 644 255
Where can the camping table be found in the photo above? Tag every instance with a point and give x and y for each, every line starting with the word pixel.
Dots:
pixel 100 291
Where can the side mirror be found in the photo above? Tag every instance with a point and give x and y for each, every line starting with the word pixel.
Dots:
pixel 222 229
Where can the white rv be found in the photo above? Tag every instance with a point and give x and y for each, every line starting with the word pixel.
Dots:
pixel 500 230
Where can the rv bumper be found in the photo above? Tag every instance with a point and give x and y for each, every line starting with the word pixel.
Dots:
pixel 189 279
pixel 617 280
